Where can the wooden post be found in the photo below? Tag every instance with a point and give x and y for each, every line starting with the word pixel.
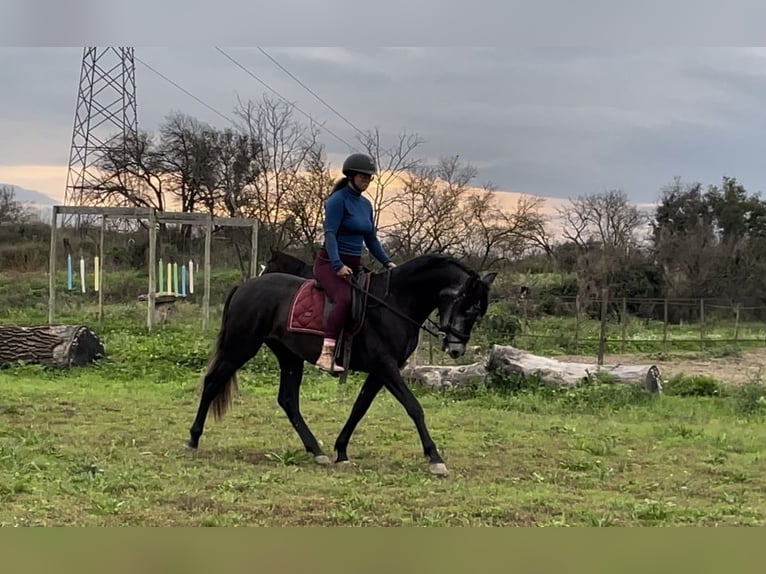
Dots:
pixel 152 269
pixel 52 267
pixel 254 249
pixel 577 325
pixel 736 323
pixel 702 324
pixel 665 326
pixel 602 336
pixel 101 272
pixel 624 321
pixel 525 324
pixel 430 349
pixel 206 296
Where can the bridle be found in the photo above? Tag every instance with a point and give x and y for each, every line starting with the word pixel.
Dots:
pixel 442 332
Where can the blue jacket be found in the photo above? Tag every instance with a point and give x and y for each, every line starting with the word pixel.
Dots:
pixel 349 224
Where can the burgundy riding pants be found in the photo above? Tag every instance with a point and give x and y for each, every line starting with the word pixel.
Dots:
pixel 338 288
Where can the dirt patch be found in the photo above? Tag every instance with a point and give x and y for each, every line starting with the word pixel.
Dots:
pixel 750 366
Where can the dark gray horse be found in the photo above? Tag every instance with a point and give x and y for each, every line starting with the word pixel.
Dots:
pixel 281 262
pixel 400 301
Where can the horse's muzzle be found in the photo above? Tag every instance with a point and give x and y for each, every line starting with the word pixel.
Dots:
pixel 454 350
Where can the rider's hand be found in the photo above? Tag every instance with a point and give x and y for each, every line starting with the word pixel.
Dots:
pixel 391 265
pixel 345 271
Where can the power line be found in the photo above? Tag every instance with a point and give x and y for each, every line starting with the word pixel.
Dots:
pixel 252 75
pixel 286 71
pixel 187 92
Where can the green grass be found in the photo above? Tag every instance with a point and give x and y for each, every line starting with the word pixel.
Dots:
pixel 104 445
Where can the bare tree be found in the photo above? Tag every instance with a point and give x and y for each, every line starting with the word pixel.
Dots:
pixel 493 234
pixel 607 219
pixel 130 175
pixel 11 210
pixel 285 145
pixel 605 227
pixel 188 150
pixel 428 213
pixel 393 163
pixel 235 172
pixel 306 204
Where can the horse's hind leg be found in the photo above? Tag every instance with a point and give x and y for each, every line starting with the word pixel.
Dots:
pixel 219 382
pixel 290 378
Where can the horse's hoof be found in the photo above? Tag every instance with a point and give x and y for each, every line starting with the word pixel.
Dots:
pixel 322 459
pixel 438 469
pixel 191 446
pixel 342 462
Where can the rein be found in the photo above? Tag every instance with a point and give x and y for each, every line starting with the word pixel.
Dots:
pixel 439 334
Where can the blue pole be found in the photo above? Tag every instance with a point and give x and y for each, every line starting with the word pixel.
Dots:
pixel 69 271
pixel 183 280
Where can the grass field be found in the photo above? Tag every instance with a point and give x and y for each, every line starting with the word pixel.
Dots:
pixel 104 445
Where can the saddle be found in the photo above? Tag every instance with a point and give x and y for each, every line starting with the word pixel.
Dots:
pixel 312 304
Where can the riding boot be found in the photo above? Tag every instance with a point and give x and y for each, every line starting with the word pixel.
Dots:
pixel 326 360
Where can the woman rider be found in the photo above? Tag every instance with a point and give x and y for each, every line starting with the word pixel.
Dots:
pixel 348 226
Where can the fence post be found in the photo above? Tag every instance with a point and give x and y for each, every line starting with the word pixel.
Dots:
pixel 254 249
pixel 52 267
pixel 100 271
pixel 702 324
pixel 602 337
pixel 208 267
pixel 736 322
pixel 150 299
pixel 624 321
pixel 524 325
pixel 665 326
pixel 577 325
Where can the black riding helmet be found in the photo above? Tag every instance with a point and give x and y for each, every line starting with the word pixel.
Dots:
pixel 358 163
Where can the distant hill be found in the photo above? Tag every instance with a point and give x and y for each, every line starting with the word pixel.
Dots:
pixel 29 196
pixel 38 203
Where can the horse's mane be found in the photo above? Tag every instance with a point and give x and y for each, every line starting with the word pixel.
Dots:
pixel 430 261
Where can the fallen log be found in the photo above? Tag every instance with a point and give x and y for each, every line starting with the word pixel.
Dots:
pixel 508 360
pixel 439 377
pixel 57 346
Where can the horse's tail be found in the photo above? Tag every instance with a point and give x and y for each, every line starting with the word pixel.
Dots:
pixel 222 400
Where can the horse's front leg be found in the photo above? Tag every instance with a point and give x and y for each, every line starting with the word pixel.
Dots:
pixel 393 381
pixel 369 390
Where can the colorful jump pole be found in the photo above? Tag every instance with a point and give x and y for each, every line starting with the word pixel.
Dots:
pixel 69 271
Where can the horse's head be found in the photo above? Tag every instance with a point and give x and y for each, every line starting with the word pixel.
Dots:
pixel 273 264
pixel 281 262
pixel 459 309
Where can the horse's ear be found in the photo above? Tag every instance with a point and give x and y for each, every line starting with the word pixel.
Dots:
pixel 489 278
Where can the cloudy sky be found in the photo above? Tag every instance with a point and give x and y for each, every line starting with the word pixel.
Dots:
pixel 553 122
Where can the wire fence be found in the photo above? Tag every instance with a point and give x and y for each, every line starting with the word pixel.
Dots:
pixel 597 327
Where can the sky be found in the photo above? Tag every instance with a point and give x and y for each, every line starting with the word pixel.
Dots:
pixel 550 122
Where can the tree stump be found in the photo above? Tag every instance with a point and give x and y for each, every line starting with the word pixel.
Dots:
pixel 164 306
pixel 57 346
pixel 509 360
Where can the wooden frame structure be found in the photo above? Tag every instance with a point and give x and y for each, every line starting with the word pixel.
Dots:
pixel 153 217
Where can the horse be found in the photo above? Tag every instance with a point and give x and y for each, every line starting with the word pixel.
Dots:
pixel 258 312
pixel 281 262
